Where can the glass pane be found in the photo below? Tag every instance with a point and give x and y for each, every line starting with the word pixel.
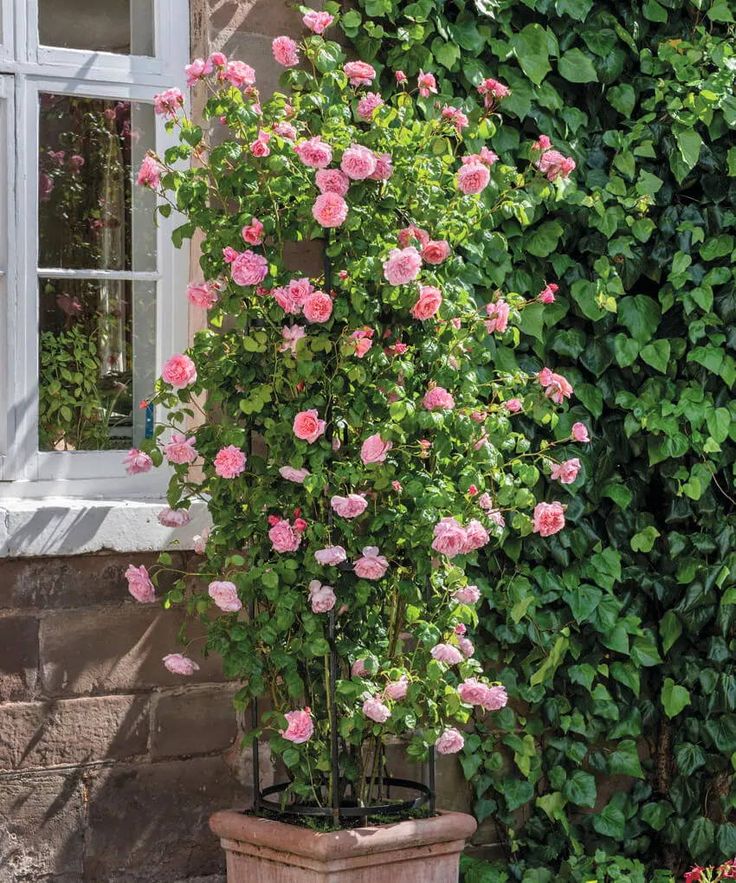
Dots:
pixel 97 362
pixel 121 26
pixel 92 215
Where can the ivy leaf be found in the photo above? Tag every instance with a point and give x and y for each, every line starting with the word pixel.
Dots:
pixel 583 601
pixel 689 758
pixel 625 349
pixel 643 541
pixel 640 315
pixel 445 53
pixel 720 11
pixel 577 9
pixel 542 241
pixel 531 49
pixel 700 838
pixel 577 67
pixel 674 698
pixel 689 144
pixel 654 12
pixel 624 760
pixel 517 792
pixel 580 789
pixel 657 354
pixel 670 629
pixel 610 822
pixel 656 814
pixel 623 98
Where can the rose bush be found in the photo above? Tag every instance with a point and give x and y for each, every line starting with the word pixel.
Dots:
pixel 354 441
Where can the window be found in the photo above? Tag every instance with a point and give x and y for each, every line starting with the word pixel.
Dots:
pixel 88 278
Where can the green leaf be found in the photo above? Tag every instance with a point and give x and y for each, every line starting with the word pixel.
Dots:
pixel 700 838
pixel 531 49
pixel 670 629
pixel 657 354
pixel 643 541
pixel 610 822
pixel 625 349
pixel 689 144
pixel 673 698
pixel 542 240
pixel 624 760
pixel 583 601
pixel 623 98
pixel 720 11
pixel 656 814
pixel 445 53
pixel 640 315
pixel 580 789
pixel 577 9
pixel 577 67
pixel 517 792
pixel 689 758
pixel 654 12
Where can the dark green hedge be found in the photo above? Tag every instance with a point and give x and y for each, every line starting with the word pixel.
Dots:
pixel 616 638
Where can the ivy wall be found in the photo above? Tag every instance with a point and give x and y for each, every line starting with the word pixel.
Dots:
pixel 616 638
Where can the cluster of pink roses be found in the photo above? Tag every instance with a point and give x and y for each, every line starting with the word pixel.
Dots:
pixel 552 163
pixel 451 538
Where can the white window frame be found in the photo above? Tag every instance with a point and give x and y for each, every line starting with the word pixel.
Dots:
pixel 24 470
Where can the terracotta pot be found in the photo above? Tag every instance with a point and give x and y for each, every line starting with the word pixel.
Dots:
pixel 415 851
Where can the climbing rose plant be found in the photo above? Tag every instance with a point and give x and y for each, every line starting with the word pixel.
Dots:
pixel 345 425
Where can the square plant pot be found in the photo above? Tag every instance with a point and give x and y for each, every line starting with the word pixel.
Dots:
pixel 415 851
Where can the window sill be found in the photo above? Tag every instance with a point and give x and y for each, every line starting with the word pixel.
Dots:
pixel 67 526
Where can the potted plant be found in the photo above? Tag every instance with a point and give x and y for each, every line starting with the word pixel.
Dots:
pixel 357 443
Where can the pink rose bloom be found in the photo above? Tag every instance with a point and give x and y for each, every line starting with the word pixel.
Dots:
pixel 446 653
pixel 466 647
pixel 330 210
pixel 400 77
pixel 548 518
pixel 438 399
pixel 239 74
pixel 450 742
pixel 473 692
pixel 307 426
pixel 542 143
pixel 202 294
pixel 473 178
pixel 363 338
pixel 513 406
pixel 225 596
pixel 178 664
pixel 374 449
pixel 493 91
pixel 295 475
pixel 299 726
pixel 358 162
pixel 217 59
pixel 547 294
pixel 318 22
pixel 359 73
pixel 285 130
pixel 436 251
pixel 300 289
pixel 199 542
pixel 285 51
pixel 427 84
pixel 374 709
pixel 229 254
pixel 467 595
pixel 314 153
pixel 411 234
pixel 402 265
pixel 229 462
pixel 317 307
pixel 369 104
pixel 454 115
pixel 384 167
pixel 498 317
pixel 332 181
pixel 174 517
pixel 137 462
pixel 253 233
pixel 260 147
pixel 349 507
pixel 566 472
pixel 476 536
pixel 196 70
pixel 180 449
pixel 249 268
pixel 358 669
pixel 580 432
pixel 284 538
pixel 396 690
pixel 554 165
pixel 168 102
pixel 430 300
pixel 370 565
pixel 449 537
pixel 495 698
pixel 140 585
pixel 149 173
pixel 331 556
pixel 495 517
pixel 322 598
pixel 556 387
pixel 291 335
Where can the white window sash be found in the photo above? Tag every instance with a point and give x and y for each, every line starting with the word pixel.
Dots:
pixel 7 32
pixel 7 262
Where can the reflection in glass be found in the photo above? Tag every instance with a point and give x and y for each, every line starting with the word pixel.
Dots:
pixel 91 213
pixel 97 358
pixel 121 26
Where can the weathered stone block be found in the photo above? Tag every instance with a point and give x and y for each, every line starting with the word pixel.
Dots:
pixel 194 721
pixel 18 657
pixel 268 17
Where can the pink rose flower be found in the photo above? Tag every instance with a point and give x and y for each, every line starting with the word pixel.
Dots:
pixel 217 59
pixel 349 507
pixel 430 300
pixel 225 595
pixel 566 472
pixel 331 556
pixel 137 462
pixel 493 91
pixel 438 399
pixel 295 475
pixel 495 698
pixel 476 536
pixel 284 297
pixel 554 165
pixel 542 143
pixel 400 77
pixel 299 726
pixel 466 647
pixel 548 518
pixel 359 669
pixel 358 162
pixel 180 449
pixel 291 334
pixel 556 387
pixel 199 542
pixel 195 71
pixel 473 178
pixel 397 690
pixel 249 268
pixel 307 426
pixel 314 153
pixel 454 115
pixel 446 653
pixel 513 406
pixel 168 102
pixel 318 22
pixel 450 742
pixel 285 130
pixel 229 254
pixel 321 598
pixel 369 104
pixel 402 265
pixel 149 173
pixel 384 167
pixel 285 51
pixel 239 74
pixel 229 462
pixel 580 432
pixel 473 692
pixel 359 73
pixel 140 585
pixel 449 537
pixel 370 565
pixel 412 235
pixel 202 294
pixel 547 294
pixel 427 84
pixel 374 449
pixel 436 251
pixel 330 210
pixel 284 538
pixel 374 709
pixel 317 307
pixel 363 338
pixel 178 664
pixel 174 517
pixel 498 317
pixel 259 147
pixel 467 595
pixel 332 181
pixel 253 233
